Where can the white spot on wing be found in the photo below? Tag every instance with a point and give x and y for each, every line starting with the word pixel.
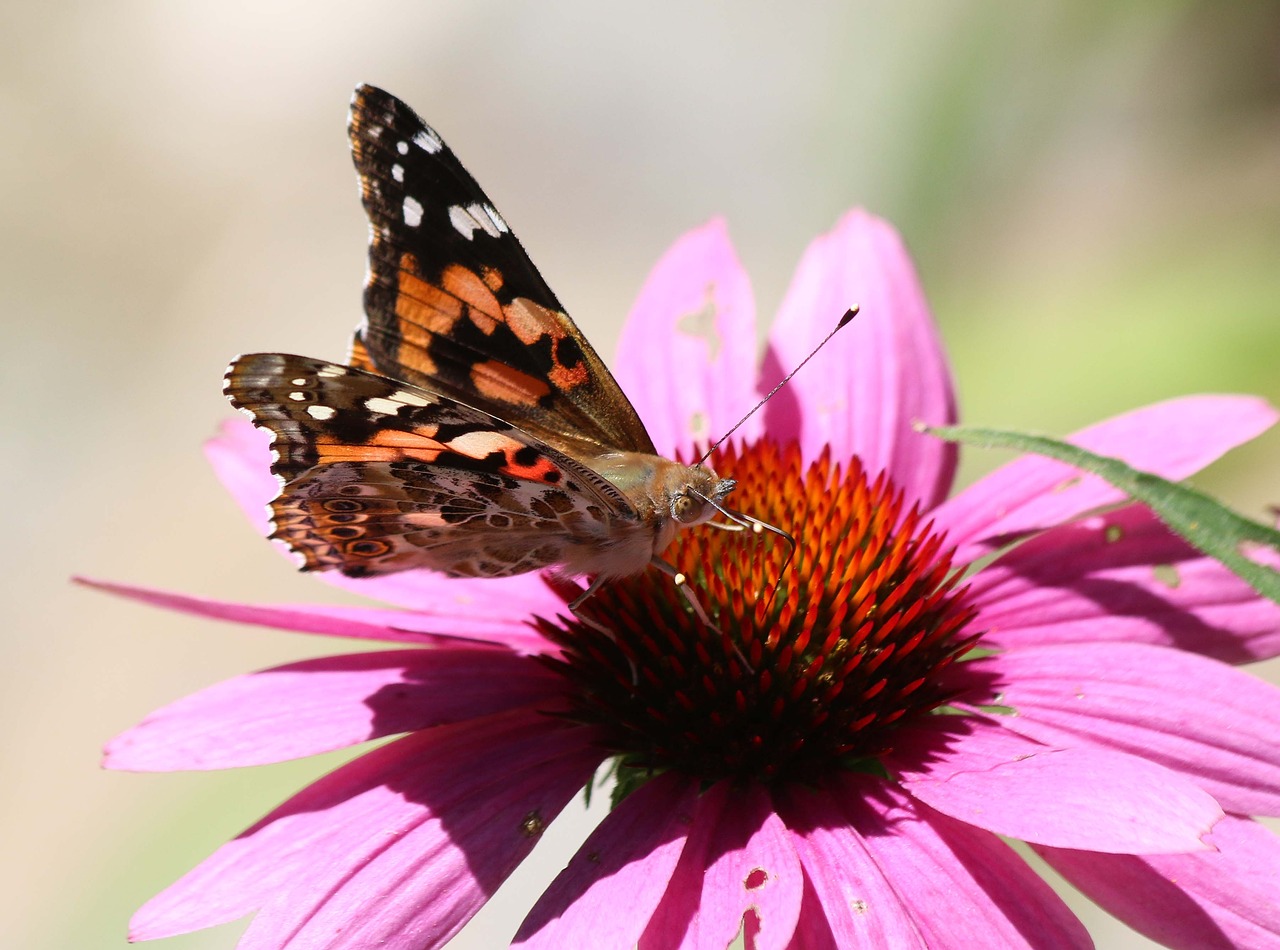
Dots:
pixel 402 148
pixel 300 381
pixel 412 211
pixel 496 218
pixel 331 372
pixel 397 172
pixel 379 404
pixel 462 222
pixel 476 217
pixel 394 402
pixel 298 397
pixel 428 141
pixel 410 399
pixel 321 413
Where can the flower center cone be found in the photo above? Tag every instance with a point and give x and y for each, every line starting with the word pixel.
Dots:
pixel 812 658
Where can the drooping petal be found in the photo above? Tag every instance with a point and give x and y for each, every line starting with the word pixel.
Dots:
pixel 890 865
pixel 1204 719
pixel 437 595
pixel 688 349
pixel 398 848
pixel 1226 898
pixel 1122 577
pixel 241 457
pixel 611 886
pixel 459 627
pixel 329 703
pixel 979 772
pixel 738 871
pixel 1173 439
pixel 878 376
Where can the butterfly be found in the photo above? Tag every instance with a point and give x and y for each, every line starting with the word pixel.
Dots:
pixel 474 431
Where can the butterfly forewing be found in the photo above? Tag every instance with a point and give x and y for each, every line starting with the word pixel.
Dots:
pixel 453 303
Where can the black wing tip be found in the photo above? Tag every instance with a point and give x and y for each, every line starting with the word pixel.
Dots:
pixel 373 107
pixel 381 128
pixel 368 97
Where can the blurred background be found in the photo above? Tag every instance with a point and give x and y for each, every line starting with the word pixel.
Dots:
pixel 1091 190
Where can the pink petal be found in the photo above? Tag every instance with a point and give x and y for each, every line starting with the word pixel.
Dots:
pixel 397 849
pixel 611 887
pixel 812 930
pixel 879 375
pixel 329 703
pixel 241 457
pixel 1173 439
pixel 1226 898
pixel 897 874
pixel 362 623
pixel 979 772
pixel 1123 577
pixel 1211 722
pixel 738 870
pixel 687 356
pixel 858 902
pixel 436 595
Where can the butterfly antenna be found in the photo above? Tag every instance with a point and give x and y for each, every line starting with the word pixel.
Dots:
pixel 848 315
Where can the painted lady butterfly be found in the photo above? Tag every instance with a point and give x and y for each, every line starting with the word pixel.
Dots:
pixel 475 431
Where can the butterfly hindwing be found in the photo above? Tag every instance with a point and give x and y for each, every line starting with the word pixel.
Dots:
pixel 454 305
pixel 378 475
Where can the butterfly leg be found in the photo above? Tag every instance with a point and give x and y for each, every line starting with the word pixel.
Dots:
pixel 682 584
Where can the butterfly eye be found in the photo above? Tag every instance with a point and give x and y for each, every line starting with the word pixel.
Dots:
pixel 685 509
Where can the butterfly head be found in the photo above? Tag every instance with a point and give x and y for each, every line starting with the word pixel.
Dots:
pixel 697 495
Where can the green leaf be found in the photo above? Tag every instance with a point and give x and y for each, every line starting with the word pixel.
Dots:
pixel 1204 522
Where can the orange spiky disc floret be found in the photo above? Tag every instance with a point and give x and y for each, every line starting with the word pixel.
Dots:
pixel 789 682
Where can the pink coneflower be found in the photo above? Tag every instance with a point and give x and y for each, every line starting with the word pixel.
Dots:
pixel 834 764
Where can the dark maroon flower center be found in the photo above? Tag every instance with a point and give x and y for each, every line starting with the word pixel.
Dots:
pixel 802 670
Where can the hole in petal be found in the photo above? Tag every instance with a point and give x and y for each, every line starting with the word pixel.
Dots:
pixel 702 323
pixel 532 825
pixel 698 427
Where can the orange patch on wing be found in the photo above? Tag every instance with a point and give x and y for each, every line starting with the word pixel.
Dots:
pixel 359 357
pixel 481 306
pixel 422 304
pixel 530 321
pixel 480 444
pixel 505 384
pixel 565 378
pixel 536 472
pixel 328 454
pixel 424 436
